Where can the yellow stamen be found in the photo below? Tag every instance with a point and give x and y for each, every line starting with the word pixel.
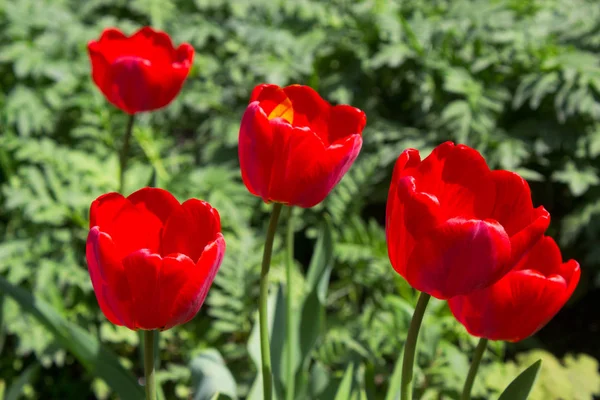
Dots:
pixel 283 110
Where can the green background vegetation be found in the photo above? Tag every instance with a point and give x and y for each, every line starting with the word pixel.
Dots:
pixel 517 79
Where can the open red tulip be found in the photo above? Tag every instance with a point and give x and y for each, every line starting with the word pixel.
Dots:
pixel 522 302
pixel 142 72
pixel 152 260
pixel 453 226
pixel 294 147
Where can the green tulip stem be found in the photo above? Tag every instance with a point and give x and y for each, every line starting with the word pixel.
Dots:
pixel 265 350
pixel 477 355
pixel 291 379
pixel 124 155
pixel 149 362
pixel 410 347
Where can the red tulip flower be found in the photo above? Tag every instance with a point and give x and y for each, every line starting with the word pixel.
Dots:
pixel 521 303
pixel 294 147
pixel 453 226
pixel 151 259
pixel 143 72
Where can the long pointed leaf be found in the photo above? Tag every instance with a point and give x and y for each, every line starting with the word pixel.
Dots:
pixel 313 307
pixel 15 390
pixel 321 259
pixel 2 333
pixel 276 321
pixel 211 377
pixel 345 388
pixel 98 360
pixel 311 319
pixel 393 392
pixel 521 386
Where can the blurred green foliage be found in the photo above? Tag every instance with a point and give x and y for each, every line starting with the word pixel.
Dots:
pixel 517 79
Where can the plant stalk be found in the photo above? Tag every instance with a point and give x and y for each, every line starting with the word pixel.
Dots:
pixel 291 378
pixel 124 155
pixel 149 362
pixel 477 355
pixel 410 347
pixel 265 349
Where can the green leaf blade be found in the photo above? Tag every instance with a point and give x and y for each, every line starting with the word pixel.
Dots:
pixel 98 360
pixel 521 386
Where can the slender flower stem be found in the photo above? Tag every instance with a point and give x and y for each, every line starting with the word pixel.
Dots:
pixel 477 355
pixel 149 362
pixel 124 155
pixel 291 379
pixel 410 347
pixel 265 350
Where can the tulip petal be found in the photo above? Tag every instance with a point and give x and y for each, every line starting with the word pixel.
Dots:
pixel 512 205
pixel 146 43
pixel 142 269
pixel 423 211
pixel 175 273
pixel 190 228
pixel 157 201
pixel 571 271
pixel 256 150
pixel 513 309
pixel 264 91
pixel 184 286
pixel 131 85
pixel 108 278
pixel 325 172
pixel 458 257
pixel 283 155
pixel 524 300
pixel 545 256
pixel 139 73
pixel 514 210
pixel 345 121
pixel 98 283
pixel 304 171
pixel 269 97
pixel 100 69
pixel 310 110
pixel 294 147
pixel 528 236
pixel 153 45
pixel 406 164
pixel 110 46
pixel 399 242
pixel 184 55
pixel 136 287
pixel 105 208
pixel 460 179
pixel 133 229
